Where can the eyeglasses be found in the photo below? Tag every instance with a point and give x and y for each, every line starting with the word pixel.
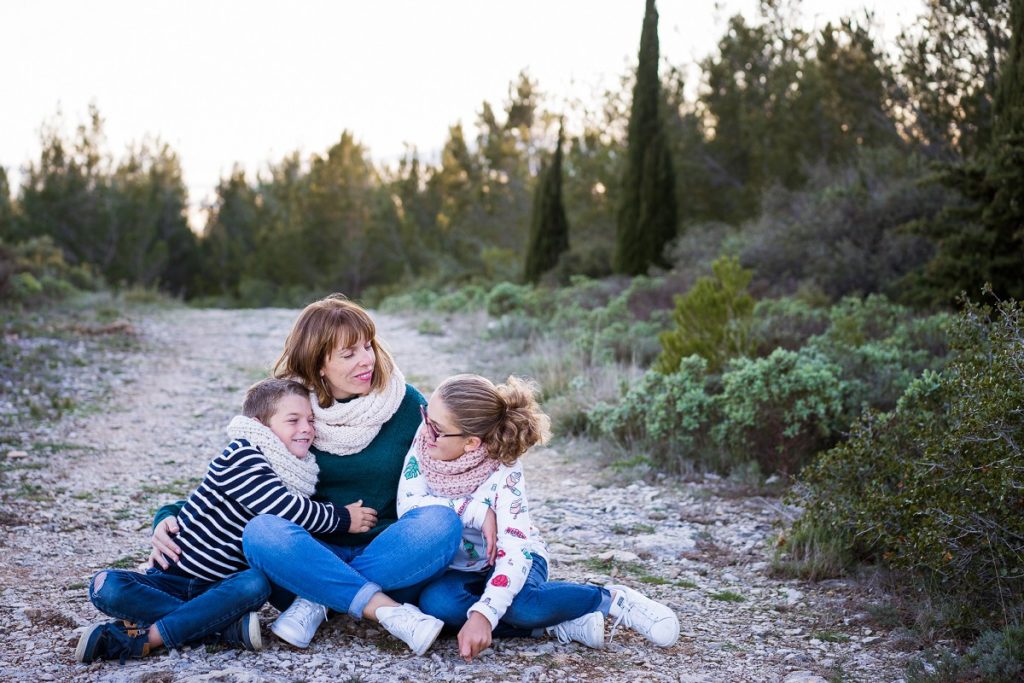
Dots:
pixel 434 434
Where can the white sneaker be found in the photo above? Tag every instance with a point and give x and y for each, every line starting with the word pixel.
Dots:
pixel 587 630
pixel 298 624
pixel 654 621
pixel 410 625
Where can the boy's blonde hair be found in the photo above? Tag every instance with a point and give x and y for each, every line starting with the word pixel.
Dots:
pixel 505 417
pixel 323 326
pixel 262 398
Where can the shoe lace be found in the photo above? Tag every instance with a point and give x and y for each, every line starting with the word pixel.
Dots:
pixel 306 612
pixel 562 634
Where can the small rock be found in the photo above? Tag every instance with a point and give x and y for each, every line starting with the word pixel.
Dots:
pixel 14 455
pixel 619 556
pixel 803 677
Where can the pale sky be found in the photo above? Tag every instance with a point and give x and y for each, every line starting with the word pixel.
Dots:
pixel 249 82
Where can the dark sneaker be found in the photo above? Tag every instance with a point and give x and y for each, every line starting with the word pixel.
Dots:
pixel 114 640
pixel 244 633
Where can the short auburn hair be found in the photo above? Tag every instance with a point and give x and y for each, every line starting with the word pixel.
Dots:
pixel 262 398
pixel 323 326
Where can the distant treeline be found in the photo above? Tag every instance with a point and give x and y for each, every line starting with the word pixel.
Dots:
pixel 782 117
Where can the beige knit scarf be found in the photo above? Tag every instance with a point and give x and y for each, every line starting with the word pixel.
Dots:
pixel 349 427
pixel 298 475
pixel 454 478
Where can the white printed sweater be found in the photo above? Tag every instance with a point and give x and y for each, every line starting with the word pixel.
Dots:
pixel 518 540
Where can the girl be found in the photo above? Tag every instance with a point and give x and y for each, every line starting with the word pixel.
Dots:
pixel 466 456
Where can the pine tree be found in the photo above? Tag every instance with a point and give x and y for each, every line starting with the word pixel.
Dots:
pixel 549 228
pixel 982 239
pixel 647 212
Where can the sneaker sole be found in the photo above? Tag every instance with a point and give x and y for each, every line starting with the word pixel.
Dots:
pixel 436 628
pixel 83 644
pixel 255 637
pixel 287 638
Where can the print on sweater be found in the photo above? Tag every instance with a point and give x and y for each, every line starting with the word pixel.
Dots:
pixel 511 481
pixel 412 470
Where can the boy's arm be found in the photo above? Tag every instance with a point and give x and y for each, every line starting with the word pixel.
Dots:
pixel 249 479
pixel 514 560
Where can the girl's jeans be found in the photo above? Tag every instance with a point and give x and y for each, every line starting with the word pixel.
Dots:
pixel 184 609
pixel 540 603
pixel 410 552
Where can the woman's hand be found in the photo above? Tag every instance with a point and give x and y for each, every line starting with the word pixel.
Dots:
pixel 363 518
pixel 490 532
pixel 165 550
pixel 474 636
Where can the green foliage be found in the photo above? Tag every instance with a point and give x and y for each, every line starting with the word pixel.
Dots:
pixel 880 347
pixel 549 228
pixel 780 410
pixel 784 324
pixel 125 218
pixel 34 272
pixel 842 232
pixel 948 74
pixel 647 219
pixel 664 415
pixel 996 657
pixel 712 319
pixel 980 241
pixel 935 486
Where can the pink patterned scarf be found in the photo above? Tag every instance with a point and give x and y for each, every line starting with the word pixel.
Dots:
pixel 454 478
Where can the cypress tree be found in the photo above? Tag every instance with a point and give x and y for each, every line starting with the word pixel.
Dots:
pixel 549 228
pixel 983 239
pixel 647 212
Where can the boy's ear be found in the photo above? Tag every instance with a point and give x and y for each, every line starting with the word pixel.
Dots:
pixel 472 443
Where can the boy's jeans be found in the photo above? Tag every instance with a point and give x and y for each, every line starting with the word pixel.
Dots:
pixel 185 610
pixel 407 554
pixel 541 603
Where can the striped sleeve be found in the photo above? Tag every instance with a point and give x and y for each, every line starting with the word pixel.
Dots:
pixel 242 474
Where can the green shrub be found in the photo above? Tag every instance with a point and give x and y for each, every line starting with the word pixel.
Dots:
pixel 996 657
pixel 34 272
pixel 936 487
pixel 786 323
pixel 780 410
pixel 506 297
pixel 880 347
pixel 663 415
pixel 711 320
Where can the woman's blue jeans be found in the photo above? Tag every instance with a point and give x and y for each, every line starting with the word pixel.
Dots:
pixel 185 610
pixel 541 603
pixel 410 552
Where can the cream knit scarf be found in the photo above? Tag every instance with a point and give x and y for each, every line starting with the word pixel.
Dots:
pixel 454 478
pixel 298 475
pixel 349 427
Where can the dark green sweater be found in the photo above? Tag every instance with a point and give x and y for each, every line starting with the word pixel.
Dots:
pixel 370 475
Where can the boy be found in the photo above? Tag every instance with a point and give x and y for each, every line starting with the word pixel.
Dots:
pixel 211 591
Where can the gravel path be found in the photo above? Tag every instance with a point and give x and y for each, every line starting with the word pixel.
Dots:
pixel 84 502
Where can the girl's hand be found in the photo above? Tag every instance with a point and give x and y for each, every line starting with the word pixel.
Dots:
pixel 490 532
pixel 363 518
pixel 474 636
pixel 164 548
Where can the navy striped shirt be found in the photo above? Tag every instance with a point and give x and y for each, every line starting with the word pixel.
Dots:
pixel 239 484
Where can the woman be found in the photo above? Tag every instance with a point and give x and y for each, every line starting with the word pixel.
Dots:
pixel 366 417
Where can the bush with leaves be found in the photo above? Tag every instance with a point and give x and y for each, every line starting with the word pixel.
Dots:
pixel 34 271
pixel 665 416
pixel 880 347
pixel 711 320
pixel 780 410
pixel 936 487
